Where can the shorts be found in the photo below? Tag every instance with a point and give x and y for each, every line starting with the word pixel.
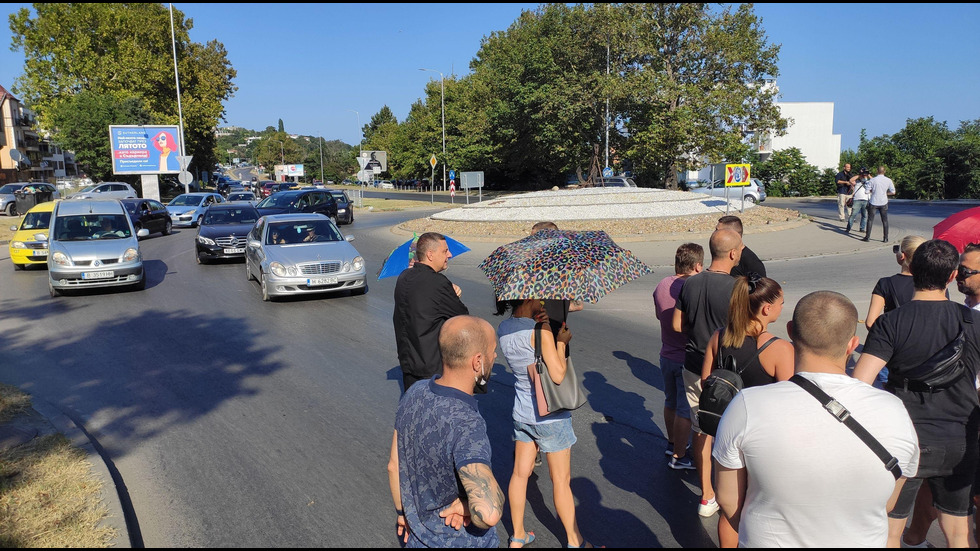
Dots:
pixel 674 388
pixel 949 469
pixel 692 386
pixel 550 437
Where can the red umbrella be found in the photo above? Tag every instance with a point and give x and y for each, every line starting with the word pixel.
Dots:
pixel 959 229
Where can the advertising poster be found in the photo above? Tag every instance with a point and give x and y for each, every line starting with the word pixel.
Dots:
pixel 144 149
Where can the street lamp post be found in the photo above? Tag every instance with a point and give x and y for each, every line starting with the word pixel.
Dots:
pixel 442 89
pixel 360 191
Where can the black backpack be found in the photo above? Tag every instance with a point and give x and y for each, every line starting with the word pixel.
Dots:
pixel 720 388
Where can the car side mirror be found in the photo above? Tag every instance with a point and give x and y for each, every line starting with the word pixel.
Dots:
pixel 13 228
pixel 143 232
pixel 253 243
pixel 348 238
pixel 40 237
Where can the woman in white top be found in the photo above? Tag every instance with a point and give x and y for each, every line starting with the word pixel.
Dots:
pixel 552 433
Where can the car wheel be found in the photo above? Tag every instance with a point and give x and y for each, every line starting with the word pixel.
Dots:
pixel 750 199
pixel 265 288
pixel 200 260
pixel 20 266
pixel 199 220
pixel 168 228
pixel 248 271
pixel 359 292
pixel 141 285
pixel 11 209
pixel 52 291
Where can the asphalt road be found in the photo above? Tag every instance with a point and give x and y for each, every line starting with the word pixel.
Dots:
pixel 238 423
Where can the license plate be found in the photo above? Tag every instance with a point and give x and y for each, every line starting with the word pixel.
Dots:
pixel 39 252
pixel 313 282
pixel 98 275
pixel 235 251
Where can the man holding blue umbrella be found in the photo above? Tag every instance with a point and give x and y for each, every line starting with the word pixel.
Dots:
pixel 424 300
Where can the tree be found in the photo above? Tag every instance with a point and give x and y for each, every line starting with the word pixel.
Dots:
pixel 694 82
pixel 86 110
pixel 786 173
pixel 120 50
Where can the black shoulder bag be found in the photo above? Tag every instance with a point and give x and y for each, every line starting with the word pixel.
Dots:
pixel 942 369
pixel 840 413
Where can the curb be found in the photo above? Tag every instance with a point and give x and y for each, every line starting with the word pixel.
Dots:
pixel 81 439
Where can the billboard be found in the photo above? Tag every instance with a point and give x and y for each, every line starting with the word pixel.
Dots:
pixel 289 170
pixel 375 160
pixel 144 149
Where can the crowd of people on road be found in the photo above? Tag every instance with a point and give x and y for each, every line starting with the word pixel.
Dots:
pixel 810 448
pixel 860 197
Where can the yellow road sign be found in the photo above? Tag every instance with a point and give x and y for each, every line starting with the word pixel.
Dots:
pixel 433 161
pixel 737 175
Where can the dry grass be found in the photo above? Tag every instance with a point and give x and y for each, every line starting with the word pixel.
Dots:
pixel 48 494
pixel 388 205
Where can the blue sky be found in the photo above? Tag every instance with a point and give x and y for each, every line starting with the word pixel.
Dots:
pixel 312 65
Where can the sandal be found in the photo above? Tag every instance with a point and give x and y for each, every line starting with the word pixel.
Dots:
pixel 526 540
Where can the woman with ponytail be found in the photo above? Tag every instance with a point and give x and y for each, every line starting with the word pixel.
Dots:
pixel 759 356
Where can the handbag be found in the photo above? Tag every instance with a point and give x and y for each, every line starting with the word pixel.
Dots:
pixel 942 369
pixel 554 397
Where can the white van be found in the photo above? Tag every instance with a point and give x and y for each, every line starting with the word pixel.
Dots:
pixel 93 244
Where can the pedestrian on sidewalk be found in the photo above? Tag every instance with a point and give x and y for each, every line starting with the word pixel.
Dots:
pixel 859 207
pixel 749 262
pixel 879 188
pixel 688 261
pixel 746 345
pixel 844 186
pixel 701 309
pixel 790 474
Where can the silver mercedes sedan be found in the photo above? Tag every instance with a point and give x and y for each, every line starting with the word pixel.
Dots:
pixel 293 254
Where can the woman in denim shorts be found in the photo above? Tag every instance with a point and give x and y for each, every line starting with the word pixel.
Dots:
pixel 553 433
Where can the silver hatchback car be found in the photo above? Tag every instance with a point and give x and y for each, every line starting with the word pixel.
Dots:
pixel 755 192
pixel 93 244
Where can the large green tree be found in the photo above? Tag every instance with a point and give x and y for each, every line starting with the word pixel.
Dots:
pixel 693 81
pixel 121 50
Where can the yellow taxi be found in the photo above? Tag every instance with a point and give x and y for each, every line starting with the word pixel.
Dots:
pixel 29 245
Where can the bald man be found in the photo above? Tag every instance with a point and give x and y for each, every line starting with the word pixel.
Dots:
pixel 441 438
pixel 701 309
pixel 789 473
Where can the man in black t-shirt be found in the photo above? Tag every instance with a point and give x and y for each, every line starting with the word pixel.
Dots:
pixel 844 188
pixel 749 261
pixel 702 308
pixel 946 420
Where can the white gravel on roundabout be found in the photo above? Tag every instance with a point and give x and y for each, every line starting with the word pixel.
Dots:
pixel 590 204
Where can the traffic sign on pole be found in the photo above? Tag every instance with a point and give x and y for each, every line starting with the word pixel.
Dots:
pixel 184 161
pixel 433 160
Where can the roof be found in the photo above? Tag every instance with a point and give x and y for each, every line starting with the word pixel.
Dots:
pixel 89 206
pixel 294 217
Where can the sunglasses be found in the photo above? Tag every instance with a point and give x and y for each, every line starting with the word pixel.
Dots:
pixel 962 272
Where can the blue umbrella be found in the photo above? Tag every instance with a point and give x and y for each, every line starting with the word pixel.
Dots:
pixel 399 258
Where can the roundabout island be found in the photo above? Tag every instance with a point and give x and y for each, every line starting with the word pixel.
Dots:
pixel 623 213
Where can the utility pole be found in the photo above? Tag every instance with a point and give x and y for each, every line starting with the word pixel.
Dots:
pixel 442 88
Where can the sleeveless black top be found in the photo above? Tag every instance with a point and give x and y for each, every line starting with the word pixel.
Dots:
pixel 746 361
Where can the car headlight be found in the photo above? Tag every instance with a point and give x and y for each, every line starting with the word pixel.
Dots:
pixel 357 263
pixel 130 255
pixel 61 259
pixel 282 270
pixel 205 240
pixel 191 212
pixel 341 210
pixel 17 245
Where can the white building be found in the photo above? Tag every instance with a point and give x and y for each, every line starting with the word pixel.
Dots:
pixel 810 129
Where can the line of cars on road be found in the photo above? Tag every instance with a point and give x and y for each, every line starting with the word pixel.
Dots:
pixel 291 245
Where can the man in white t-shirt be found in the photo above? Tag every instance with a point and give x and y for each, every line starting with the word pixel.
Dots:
pixel 879 187
pixel 789 473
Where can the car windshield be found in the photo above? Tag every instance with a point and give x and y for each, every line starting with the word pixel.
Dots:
pixel 305 231
pixel 84 227
pixel 241 197
pixel 186 201
pixel 243 215
pixel 10 188
pixel 279 200
pixel 338 195
pixel 36 221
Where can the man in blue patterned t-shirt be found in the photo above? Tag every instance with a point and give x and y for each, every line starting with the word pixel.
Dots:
pixel 439 436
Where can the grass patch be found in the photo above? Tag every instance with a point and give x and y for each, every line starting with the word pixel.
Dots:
pixel 389 205
pixel 48 494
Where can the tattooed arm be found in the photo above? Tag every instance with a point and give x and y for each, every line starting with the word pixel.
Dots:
pixel 484 498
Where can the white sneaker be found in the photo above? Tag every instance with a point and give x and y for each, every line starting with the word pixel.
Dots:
pixel 708 508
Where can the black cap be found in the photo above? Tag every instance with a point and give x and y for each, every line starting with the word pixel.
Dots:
pixel 864 170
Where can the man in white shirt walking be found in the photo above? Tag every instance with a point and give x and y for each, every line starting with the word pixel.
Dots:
pixel 789 473
pixel 880 187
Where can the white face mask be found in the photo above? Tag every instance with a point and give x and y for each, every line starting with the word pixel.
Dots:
pixel 480 383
